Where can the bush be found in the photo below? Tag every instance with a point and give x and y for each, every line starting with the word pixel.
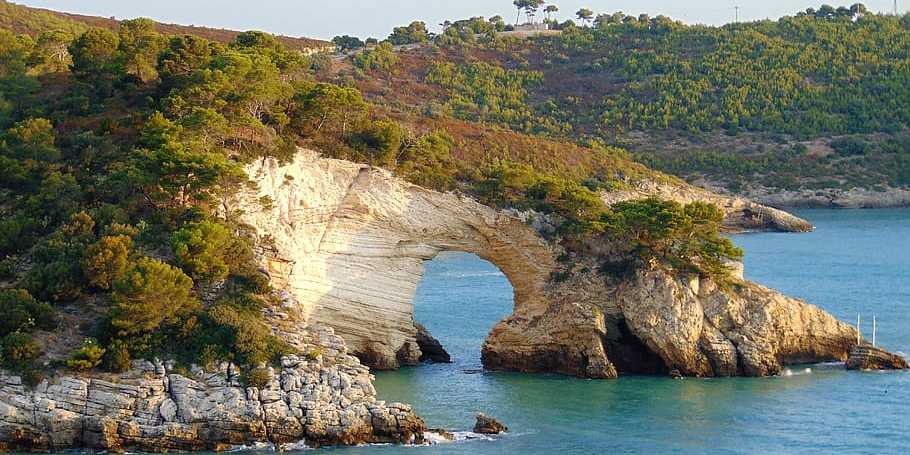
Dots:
pixel 256 377
pixel 117 357
pixel 18 350
pixel 86 357
pixel 149 294
pixel 20 312
pixel 379 58
pixel 106 260
pixel 208 251
pixel 57 272
pixel 684 236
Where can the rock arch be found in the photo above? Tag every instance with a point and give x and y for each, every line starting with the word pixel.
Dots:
pixel 347 244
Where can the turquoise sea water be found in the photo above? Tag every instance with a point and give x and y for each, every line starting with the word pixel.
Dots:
pixel 856 261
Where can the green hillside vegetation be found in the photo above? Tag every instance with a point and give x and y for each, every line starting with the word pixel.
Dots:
pixel 35 21
pixel 743 103
pixel 119 151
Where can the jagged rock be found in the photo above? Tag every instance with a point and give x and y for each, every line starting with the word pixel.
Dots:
pixel 867 357
pixel 153 410
pixel 348 243
pixel 488 425
pixel 430 348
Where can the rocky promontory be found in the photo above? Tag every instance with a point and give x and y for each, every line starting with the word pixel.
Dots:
pixel 349 242
pixel 313 400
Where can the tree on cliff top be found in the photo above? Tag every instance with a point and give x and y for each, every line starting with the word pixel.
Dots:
pixel 584 15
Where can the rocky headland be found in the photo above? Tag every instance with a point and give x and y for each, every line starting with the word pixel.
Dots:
pixel 348 242
pixel 346 245
pixel 324 398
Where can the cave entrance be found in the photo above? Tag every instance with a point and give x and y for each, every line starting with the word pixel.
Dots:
pixel 459 300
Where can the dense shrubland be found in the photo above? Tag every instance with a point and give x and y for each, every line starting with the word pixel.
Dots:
pixel 773 92
pixel 118 152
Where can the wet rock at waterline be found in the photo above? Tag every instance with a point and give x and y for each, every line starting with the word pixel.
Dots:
pixel 868 357
pixel 431 349
pixel 488 425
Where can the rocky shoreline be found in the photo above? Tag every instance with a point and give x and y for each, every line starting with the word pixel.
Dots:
pixel 326 399
pixel 855 198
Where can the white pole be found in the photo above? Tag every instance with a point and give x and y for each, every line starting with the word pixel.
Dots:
pixel 873 330
pixel 859 332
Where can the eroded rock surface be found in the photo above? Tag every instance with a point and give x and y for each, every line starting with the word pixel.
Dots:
pixel 431 350
pixel 485 424
pixel 742 214
pixel 868 357
pixel 349 242
pixel 324 400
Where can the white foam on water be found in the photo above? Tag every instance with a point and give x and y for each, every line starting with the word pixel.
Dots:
pixel 267 446
pixel 788 372
pixel 460 436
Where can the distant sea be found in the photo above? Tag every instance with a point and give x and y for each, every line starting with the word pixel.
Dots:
pixel 855 262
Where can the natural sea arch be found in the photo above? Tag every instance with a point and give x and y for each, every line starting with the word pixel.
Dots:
pixel 347 243
pixel 459 300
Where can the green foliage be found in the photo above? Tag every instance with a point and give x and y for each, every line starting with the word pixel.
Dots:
pixel 482 91
pixel 106 260
pixel 314 354
pixel 95 59
pixel 413 33
pixel 328 110
pixel 116 357
pixel 32 139
pixel 57 272
pixel 686 237
pixel 348 43
pixel 507 184
pixel 87 357
pixel 378 58
pixel 202 250
pixel 256 377
pixel 149 294
pixel 20 312
pixel 18 350
pixel 139 45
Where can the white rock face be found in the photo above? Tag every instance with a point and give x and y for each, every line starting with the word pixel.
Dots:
pixel 324 400
pixel 349 243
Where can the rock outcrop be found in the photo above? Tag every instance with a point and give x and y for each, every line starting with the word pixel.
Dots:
pixel 431 349
pixel 853 198
pixel 349 241
pixel 485 424
pixel 328 399
pixel 868 357
pixel 742 214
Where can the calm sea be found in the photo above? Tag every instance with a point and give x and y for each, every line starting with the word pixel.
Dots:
pixel 856 262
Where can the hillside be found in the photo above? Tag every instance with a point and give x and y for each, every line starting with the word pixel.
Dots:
pixel 33 21
pixel 813 102
pixel 120 152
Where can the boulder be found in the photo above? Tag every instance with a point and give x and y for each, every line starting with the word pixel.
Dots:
pixel 430 348
pixel 488 425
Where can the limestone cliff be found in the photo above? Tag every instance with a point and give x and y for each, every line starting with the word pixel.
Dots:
pixel 325 399
pixel 349 241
